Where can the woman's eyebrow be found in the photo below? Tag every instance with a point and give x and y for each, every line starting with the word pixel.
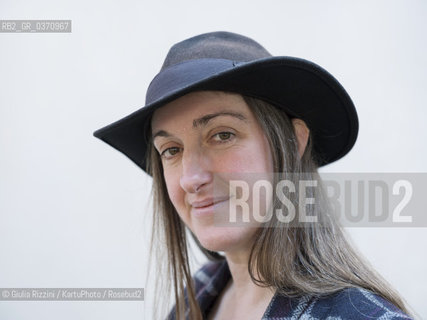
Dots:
pixel 203 121
pixel 160 133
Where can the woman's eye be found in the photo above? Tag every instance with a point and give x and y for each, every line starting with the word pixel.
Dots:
pixel 223 136
pixel 169 152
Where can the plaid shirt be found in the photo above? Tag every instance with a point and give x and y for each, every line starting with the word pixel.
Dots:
pixel 351 303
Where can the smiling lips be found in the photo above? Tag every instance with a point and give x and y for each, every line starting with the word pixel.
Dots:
pixel 206 206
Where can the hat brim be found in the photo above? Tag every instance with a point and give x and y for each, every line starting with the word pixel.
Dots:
pixel 300 87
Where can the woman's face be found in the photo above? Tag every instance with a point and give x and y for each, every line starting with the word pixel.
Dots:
pixel 201 136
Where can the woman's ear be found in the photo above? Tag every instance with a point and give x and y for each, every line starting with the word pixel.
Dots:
pixel 302 133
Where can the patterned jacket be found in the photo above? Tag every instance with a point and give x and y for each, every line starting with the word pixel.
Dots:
pixel 351 303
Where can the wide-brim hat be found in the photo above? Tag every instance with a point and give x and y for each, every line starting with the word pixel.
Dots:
pixel 231 62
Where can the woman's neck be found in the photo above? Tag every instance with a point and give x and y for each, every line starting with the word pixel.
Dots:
pixel 242 287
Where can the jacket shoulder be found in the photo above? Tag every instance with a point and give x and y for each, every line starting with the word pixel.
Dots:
pixel 352 303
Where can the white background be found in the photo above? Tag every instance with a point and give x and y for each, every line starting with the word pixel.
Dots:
pixel 74 212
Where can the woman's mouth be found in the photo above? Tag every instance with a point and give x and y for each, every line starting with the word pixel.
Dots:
pixel 206 206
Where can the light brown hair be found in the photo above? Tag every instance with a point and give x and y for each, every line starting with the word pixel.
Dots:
pixel 317 257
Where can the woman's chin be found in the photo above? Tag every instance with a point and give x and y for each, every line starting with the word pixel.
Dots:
pixel 225 239
pixel 215 245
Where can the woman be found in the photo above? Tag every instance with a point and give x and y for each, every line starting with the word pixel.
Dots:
pixel 223 109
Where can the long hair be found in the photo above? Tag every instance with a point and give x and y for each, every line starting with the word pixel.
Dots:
pixel 317 257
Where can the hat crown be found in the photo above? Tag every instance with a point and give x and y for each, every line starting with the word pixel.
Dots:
pixel 215 45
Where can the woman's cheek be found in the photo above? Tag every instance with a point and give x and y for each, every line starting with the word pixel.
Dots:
pixel 230 160
pixel 175 192
pixel 243 159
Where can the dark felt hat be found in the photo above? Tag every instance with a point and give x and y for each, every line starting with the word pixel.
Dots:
pixel 231 62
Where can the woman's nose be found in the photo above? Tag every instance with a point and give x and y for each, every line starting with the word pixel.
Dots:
pixel 196 173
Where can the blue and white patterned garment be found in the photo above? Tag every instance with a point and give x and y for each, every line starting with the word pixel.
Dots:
pixel 351 303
